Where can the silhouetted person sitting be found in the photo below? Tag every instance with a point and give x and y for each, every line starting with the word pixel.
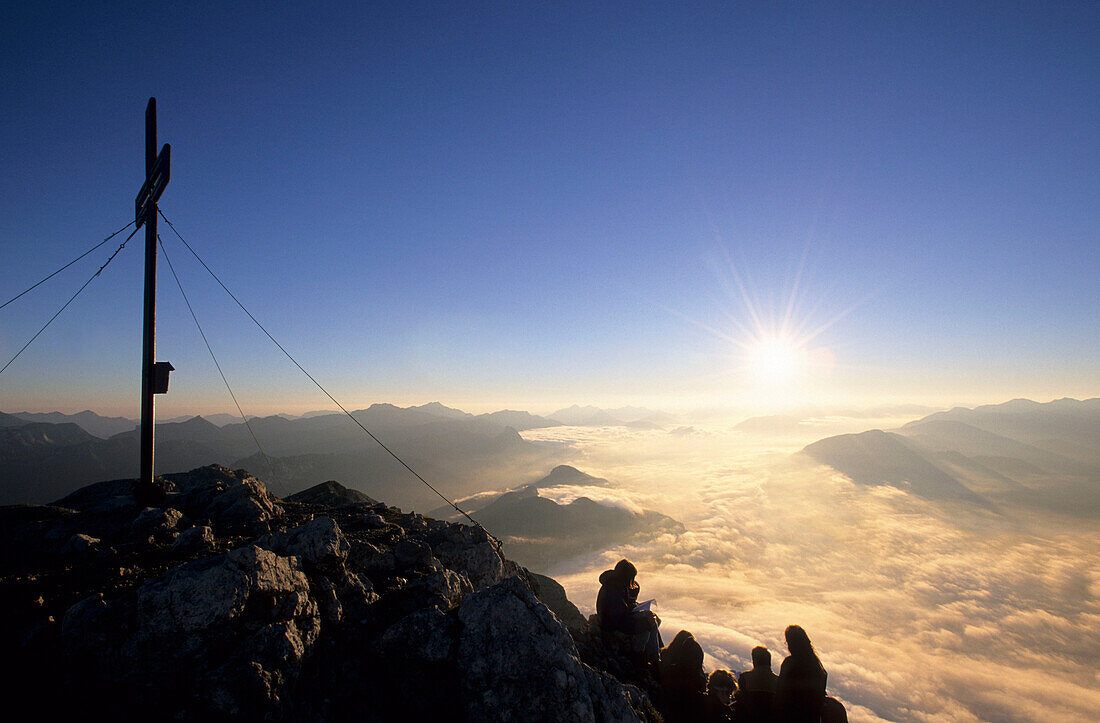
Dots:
pixel 833 711
pixel 615 605
pixel 800 690
pixel 756 688
pixel 683 682
pixel 721 688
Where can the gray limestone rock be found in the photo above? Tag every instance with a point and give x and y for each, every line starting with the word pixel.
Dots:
pixel 412 553
pixel 81 612
pixel 80 544
pixel 245 504
pixel 423 635
pixel 517 661
pixel 373 520
pixel 349 615
pixel 194 539
pixel 371 559
pixel 550 592
pixel 158 523
pixel 318 543
pixel 441 589
pixel 242 618
pixel 231 501
pixel 470 550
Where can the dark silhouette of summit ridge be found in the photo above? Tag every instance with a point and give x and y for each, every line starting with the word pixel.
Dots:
pixel 228 603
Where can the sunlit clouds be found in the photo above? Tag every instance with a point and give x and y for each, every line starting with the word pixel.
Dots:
pixel 920 610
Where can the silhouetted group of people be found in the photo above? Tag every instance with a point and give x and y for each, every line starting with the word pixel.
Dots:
pixel 796 695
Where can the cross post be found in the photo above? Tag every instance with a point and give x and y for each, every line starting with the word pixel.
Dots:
pixel 157 173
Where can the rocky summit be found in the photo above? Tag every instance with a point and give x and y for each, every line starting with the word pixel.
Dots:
pixel 220 601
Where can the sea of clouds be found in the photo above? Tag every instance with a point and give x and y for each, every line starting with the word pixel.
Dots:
pixel 919 610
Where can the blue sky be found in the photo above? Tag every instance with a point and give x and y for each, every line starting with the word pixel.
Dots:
pixel 511 204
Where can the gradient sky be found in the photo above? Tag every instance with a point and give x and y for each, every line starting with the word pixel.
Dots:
pixel 530 205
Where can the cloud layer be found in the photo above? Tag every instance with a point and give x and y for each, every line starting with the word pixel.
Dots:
pixel 920 611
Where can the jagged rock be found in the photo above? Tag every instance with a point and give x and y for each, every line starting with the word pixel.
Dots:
pixel 553 596
pixel 332 610
pixel 373 520
pixel 355 592
pixel 422 636
pixel 422 646
pixel 224 616
pixel 470 550
pixel 80 544
pixel 194 539
pixel 516 659
pixel 414 523
pixel 442 589
pixel 246 504
pixel 412 553
pixel 79 613
pixel 319 543
pixel 337 614
pixel 232 501
pixel 372 559
pixel 614 653
pixel 208 595
pixel 157 523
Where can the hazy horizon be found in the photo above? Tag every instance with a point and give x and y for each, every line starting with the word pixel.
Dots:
pixel 731 414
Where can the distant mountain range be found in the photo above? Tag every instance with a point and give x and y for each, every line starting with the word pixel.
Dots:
pixel 638 417
pixel 772 424
pixel 106 427
pixel 45 455
pixel 89 421
pixel 1042 456
pixel 40 461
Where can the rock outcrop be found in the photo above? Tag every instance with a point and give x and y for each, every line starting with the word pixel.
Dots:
pixel 227 603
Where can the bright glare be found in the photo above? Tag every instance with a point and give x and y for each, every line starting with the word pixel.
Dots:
pixel 775 360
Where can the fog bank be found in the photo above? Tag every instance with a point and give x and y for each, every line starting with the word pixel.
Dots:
pixel 920 610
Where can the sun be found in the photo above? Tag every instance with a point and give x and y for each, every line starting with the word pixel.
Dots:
pixel 775 359
pixel 773 349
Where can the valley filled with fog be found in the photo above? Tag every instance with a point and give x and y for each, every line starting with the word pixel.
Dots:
pixel 920 608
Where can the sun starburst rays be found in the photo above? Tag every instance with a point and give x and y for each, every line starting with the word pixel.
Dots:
pixel 776 339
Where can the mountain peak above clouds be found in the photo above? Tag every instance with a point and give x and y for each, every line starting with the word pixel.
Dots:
pixel 876 457
pixel 564 474
pixel 1064 428
pixel 588 416
pixel 641 414
pixel 1021 455
pixel 517 419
